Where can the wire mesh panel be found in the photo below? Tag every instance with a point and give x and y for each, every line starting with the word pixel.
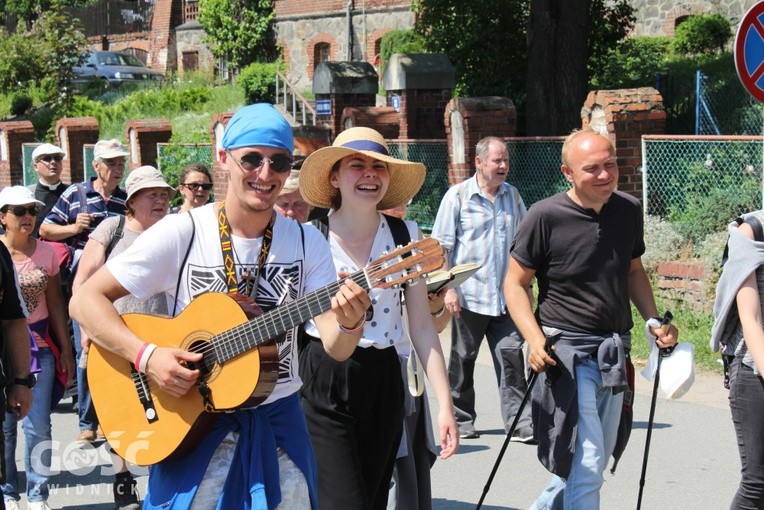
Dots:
pixel 534 167
pixel 434 155
pixel 726 108
pixel 701 183
pixel 28 173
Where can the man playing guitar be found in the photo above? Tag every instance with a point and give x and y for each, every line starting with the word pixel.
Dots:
pixel 260 455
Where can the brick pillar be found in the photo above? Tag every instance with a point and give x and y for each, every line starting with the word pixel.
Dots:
pixel 626 115
pixel 142 139
pixel 339 103
pixel 12 135
pixel 421 114
pixel 467 120
pixel 73 133
pixel 219 176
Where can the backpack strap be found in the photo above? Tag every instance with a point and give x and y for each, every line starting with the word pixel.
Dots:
pixel 183 264
pixel 755 224
pixel 119 233
pixel 398 229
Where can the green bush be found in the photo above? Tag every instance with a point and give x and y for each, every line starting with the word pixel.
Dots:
pixel 702 34
pixel 20 103
pixel 258 82
pixel 399 41
pixel 634 62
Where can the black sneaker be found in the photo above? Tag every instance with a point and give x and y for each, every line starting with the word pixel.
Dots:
pixel 125 492
pixel 467 431
pixel 523 435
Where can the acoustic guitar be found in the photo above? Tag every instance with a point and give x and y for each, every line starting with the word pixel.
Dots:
pixel 239 367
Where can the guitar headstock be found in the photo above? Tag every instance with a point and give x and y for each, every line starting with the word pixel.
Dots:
pixel 405 263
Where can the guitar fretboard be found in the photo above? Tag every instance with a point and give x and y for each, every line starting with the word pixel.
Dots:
pixel 261 329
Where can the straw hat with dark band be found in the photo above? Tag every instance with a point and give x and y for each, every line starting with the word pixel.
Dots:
pixel 406 177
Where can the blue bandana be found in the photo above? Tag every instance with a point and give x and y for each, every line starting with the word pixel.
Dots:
pixel 258 125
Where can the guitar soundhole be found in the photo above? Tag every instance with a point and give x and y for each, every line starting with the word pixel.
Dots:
pixel 208 361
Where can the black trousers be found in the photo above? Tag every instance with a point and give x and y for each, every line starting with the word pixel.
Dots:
pixel 354 411
pixel 747 406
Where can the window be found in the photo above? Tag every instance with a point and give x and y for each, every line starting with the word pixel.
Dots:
pixel 320 53
pixel 190 60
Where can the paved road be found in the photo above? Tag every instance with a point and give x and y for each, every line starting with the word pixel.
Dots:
pixel 693 458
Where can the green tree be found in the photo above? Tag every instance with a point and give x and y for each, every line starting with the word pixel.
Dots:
pixel 536 52
pixel 239 30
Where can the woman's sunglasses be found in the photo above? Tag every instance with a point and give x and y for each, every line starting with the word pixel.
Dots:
pixel 20 210
pixel 193 186
pixel 280 163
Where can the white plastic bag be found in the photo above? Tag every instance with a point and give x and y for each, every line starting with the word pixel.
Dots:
pixel 677 370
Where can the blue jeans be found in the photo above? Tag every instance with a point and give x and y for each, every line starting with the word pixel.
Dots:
pixel 746 399
pixel 37 434
pixel 88 419
pixel 599 413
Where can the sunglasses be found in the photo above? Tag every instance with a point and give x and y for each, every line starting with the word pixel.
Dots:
pixel 193 186
pixel 49 158
pixel 280 163
pixel 20 210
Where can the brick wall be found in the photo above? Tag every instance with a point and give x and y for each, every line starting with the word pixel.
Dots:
pixel 310 49
pixel 12 135
pixel 626 114
pixel 684 284
pixel 467 120
pixel 219 176
pixel 385 120
pixel 73 133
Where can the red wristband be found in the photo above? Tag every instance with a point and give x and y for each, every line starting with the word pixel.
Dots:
pixel 140 353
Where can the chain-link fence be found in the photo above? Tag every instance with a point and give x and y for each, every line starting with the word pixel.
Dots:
pixel 534 167
pixel 434 155
pixel 724 107
pixel 700 183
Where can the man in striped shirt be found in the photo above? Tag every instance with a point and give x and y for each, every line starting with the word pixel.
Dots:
pixel 476 223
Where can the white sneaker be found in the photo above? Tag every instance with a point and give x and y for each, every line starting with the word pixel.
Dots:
pixel 34 505
pixel 12 504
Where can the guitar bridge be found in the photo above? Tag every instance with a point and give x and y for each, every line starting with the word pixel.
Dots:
pixel 141 382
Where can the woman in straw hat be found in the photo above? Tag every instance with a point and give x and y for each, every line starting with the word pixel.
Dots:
pixel 354 409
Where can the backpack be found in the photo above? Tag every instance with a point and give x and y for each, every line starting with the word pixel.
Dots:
pixel 401 237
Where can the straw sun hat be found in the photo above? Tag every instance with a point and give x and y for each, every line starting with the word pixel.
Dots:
pixel 406 177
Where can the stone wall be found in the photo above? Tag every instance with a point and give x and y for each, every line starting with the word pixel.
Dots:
pixel 299 34
pixel 658 17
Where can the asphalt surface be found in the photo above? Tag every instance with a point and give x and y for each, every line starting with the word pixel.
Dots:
pixel 693 460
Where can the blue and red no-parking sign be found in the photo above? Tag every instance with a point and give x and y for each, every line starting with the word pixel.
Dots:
pixel 749 51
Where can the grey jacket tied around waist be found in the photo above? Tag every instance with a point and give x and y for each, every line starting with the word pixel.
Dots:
pixel 555 400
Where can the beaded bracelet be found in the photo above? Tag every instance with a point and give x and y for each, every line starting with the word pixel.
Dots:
pixel 356 329
pixel 439 313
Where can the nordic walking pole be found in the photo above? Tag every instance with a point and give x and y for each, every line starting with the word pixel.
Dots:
pixel 527 395
pixel 665 323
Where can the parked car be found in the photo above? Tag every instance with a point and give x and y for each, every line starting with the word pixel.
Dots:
pixel 115 68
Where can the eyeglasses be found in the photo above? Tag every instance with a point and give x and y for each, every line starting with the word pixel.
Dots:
pixel 52 157
pixel 280 163
pixel 20 210
pixel 193 186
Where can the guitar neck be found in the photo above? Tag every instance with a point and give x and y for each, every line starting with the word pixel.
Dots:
pixel 265 327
